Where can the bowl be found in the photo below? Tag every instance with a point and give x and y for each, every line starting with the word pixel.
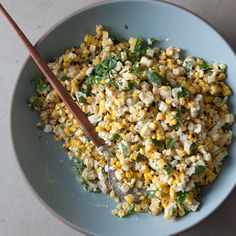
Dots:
pixel 46 165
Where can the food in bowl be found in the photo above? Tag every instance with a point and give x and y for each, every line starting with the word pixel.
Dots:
pixel 165 117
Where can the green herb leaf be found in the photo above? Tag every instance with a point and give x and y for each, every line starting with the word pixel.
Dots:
pixel 173 211
pixel 114 39
pixel 199 169
pixel 155 78
pixel 219 101
pixel 188 66
pixel 85 184
pixel 141 157
pixel 150 194
pixel 42 85
pixel 205 66
pixel 139 49
pixel 135 69
pixel 152 40
pixel 115 137
pixel 158 144
pixel 170 143
pixel 34 102
pixel 183 93
pixel 78 166
pixel 124 149
pixel 198 188
pixel 64 78
pixel 80 97
pixel 168 169
pixel 131 208
pixel 181 198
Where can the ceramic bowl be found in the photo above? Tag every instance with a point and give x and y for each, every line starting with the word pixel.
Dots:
pixel 46 165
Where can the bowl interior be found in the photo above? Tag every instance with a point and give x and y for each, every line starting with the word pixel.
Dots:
pixel 44 162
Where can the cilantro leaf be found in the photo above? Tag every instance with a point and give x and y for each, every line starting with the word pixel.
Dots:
pixel 170 143
pixel 155 78
pixel 205 67
pixel 150 194
pixel 64 78
pixel 115 137
pixel 131 208
pixel 42 85
pixel 188 66
pixel 34 102
pixel 199 169
pixel 124 149
pixel 181 198
pixel 158 144
pixel 183 93
pixel 168 169
pixel 141 157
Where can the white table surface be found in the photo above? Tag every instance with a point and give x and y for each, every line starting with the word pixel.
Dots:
pixel 20 212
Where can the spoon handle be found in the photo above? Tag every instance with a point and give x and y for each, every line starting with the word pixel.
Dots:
pixel 62 92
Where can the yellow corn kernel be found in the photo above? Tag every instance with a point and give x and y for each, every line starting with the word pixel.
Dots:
pixel 129 198
pixel 132 41
pixel 103 81
pixel 113 161
pixel 172 193
pixel 141 151
pixel 226 90
pixel 197 74
pixel 128 175
pixel 118 164
pixel 173 122
pixel 66 58
pixel 133 156
pixel 214 89
pixel 99 128
pixel 191 104
pixel 89 99
pixel 181 212
pixel 181 101
pixel 137 208
pixel 221 76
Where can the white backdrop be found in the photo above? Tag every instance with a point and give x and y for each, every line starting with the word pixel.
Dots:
pixel 20 212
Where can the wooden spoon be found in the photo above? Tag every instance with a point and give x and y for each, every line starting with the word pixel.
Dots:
pixel 69 102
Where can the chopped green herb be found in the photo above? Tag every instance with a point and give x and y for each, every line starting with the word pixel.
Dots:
pixel 115 137
pixel 219 101
pixel 131 208
pixel 124 149
pixel 155 78
pixel 141 157
pixel 114 39
pixel 183 93
pixel 198 188
pixel 131 85
pixel 150 194
pixel 34 102
pixel 115 84
pixel 85 184
pixel 126 26
pixel 64 78
pixel 78 166
pixel 139 50
pixel 199 169
pixel 205 67
pixel 188 66
pixel 80 97
pixel 42 85
pixel 158 144
pixel 181 198
pixel 173 211
pixel 152 40
pixel 168 169
pixel 135 69
pixel 170 143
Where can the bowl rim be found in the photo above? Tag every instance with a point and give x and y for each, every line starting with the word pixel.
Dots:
pixel 59 22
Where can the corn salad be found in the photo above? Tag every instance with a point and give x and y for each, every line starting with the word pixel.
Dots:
pixel 166 118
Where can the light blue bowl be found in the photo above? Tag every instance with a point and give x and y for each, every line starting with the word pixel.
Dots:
pixel 45 164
